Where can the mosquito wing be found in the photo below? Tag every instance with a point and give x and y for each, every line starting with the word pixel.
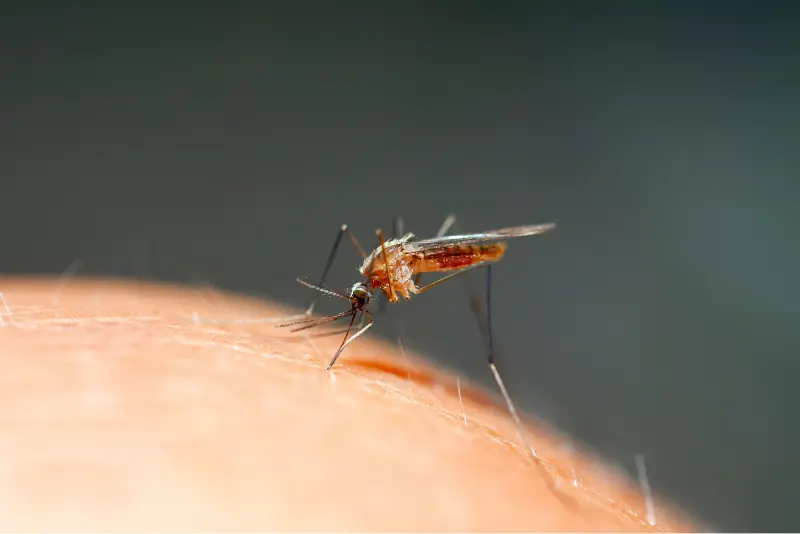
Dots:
pixel 481 237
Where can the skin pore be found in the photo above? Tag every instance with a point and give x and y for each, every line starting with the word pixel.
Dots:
pixel 138 406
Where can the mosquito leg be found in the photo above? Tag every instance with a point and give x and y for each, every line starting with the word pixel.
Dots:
pixel 344 229
pixel 344 341
pixel 452 275
pixel 448 223
pixel 379 233
pixel 353 240
pixel 347 340
pixel 397 231
pixel 487 329
pixel 485 324
pixel 310 322
pixel 398 227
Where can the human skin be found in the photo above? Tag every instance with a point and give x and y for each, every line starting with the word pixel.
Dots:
pixel 136 406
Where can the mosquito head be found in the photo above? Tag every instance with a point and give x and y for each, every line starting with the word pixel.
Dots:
pixel 360 294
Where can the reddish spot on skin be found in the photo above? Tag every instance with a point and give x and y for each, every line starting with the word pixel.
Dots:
pixel 424 376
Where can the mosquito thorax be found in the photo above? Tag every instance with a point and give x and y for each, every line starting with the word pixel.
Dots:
pixel 360 293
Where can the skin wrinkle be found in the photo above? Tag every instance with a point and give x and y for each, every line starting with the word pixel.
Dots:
pixel 368 383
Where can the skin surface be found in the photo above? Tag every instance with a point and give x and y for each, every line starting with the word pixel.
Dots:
pixel 133 406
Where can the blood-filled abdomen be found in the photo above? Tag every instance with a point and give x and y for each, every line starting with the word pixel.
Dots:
pixel 457 257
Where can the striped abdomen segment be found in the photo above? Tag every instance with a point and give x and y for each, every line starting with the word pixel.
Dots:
pixel 457 257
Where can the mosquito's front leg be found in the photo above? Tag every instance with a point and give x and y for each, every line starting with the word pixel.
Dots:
pixel 347 340
pixel 390 282
pixel 344 229
pixel 398 231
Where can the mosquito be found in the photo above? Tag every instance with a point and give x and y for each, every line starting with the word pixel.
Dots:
pixel 395 267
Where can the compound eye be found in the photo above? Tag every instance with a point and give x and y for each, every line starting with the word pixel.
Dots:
pixel 360 293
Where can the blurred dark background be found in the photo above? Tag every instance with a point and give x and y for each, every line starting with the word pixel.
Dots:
pixel 226 143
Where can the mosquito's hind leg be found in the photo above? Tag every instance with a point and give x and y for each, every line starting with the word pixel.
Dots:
pixel 485 325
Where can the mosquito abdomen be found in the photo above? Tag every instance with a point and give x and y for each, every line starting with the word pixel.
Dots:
pixel 458 257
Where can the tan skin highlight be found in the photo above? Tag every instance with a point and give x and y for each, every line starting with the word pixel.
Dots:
pixel 133 406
